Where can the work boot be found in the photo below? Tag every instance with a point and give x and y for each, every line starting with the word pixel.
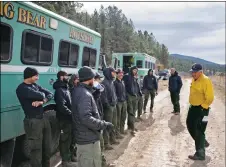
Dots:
pixel 207 144
pixel 196 157
pixel 68 164
pixel 144 110
pixel 136 129
pixel 177 113
pixel 107 147
pixel 151 109
pixel 123 132
pixel 132 133
pixel 119 136
pixel 73 158
pixel 173 112
pixel 115 142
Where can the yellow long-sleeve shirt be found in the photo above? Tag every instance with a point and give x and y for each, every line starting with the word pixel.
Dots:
pixel 201 92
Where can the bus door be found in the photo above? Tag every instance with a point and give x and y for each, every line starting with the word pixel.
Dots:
pixel 128 62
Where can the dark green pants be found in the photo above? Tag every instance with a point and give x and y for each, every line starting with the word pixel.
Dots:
pixel 131 109
pixel 196 127
pixel 65 140
pixel 146 97
pixel 38 134
pixel 139 106
pixel 110 115
pixel 175 97
pixel 121 116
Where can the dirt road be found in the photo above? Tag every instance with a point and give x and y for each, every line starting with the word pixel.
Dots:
pixel 163 140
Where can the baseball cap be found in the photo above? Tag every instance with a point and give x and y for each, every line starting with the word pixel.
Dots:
pixel 196 67
pixel 61 73
pixel 119 71
pixel 98 76
pixel 85 73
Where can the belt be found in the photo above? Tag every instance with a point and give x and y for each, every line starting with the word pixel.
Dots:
pixel 32 117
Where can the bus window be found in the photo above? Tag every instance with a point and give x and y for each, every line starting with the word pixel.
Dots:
pixel 68 54
pixel 5 43
pixel 37 48
pixel 139 63
pixel 146 64
pixel 89 57
pixel 149 64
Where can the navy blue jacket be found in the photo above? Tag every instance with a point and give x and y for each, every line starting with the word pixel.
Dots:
pixel 28 93
pixel 120 90
pixel 131 83
pixel 62 97
pixel 175 83
pixel 150 82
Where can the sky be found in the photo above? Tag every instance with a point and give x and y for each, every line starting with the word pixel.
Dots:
pixel 189 28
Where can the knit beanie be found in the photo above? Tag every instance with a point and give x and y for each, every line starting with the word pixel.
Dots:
pixel 85 73
pixel 30 72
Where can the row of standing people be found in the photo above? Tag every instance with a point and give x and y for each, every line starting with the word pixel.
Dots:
pixel 113 100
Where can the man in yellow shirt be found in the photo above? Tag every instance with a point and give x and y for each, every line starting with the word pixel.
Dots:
pixel 201 97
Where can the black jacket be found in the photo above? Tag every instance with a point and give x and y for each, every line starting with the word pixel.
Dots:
pixel 108 97
pixel 97 98
pixel 150 82
pixel 85 116
pixel 120 90
pixel 62 98
pixel 131 83
pixel 28 93
pixel 175 83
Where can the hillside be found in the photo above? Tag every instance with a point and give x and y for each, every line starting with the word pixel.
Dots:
pixel 184 63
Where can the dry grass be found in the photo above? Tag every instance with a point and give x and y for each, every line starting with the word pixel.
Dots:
pixel 219 86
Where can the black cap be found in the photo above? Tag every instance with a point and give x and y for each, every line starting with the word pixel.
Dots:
pixel 85 73
pixel 196 67
pixel 61 73
pixel 112 69
pixel 98 76
pixel 30 72
pixel 119 71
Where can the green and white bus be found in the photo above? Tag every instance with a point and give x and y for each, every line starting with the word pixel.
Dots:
pixel 143 61
pixel 33 36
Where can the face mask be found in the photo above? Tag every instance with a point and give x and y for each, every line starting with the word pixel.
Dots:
pixel 65 80
pixel 98 86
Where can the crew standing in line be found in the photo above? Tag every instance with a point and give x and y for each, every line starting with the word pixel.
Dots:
pixel 87 123
pixel 132 91
pixel 62 98
pixel 37 127
pixel 150 86
pixel 122 104
pixel 200 99
pixel 109 101
pixel 175 84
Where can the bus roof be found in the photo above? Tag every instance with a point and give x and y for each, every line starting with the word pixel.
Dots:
pixel 134 53
pixel 41 9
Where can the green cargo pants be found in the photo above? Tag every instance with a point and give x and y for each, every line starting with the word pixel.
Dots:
pixel 121 116
pixel 110 115
pixel 196 127
pixel 65 140
pixel 146 97
pixel 38 134
pixel 131 109
pixel 175 97
pixel 89 155
pixel 139 106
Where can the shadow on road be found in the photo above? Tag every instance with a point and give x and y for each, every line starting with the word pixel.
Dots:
pixel 175 125
pixel 201 163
